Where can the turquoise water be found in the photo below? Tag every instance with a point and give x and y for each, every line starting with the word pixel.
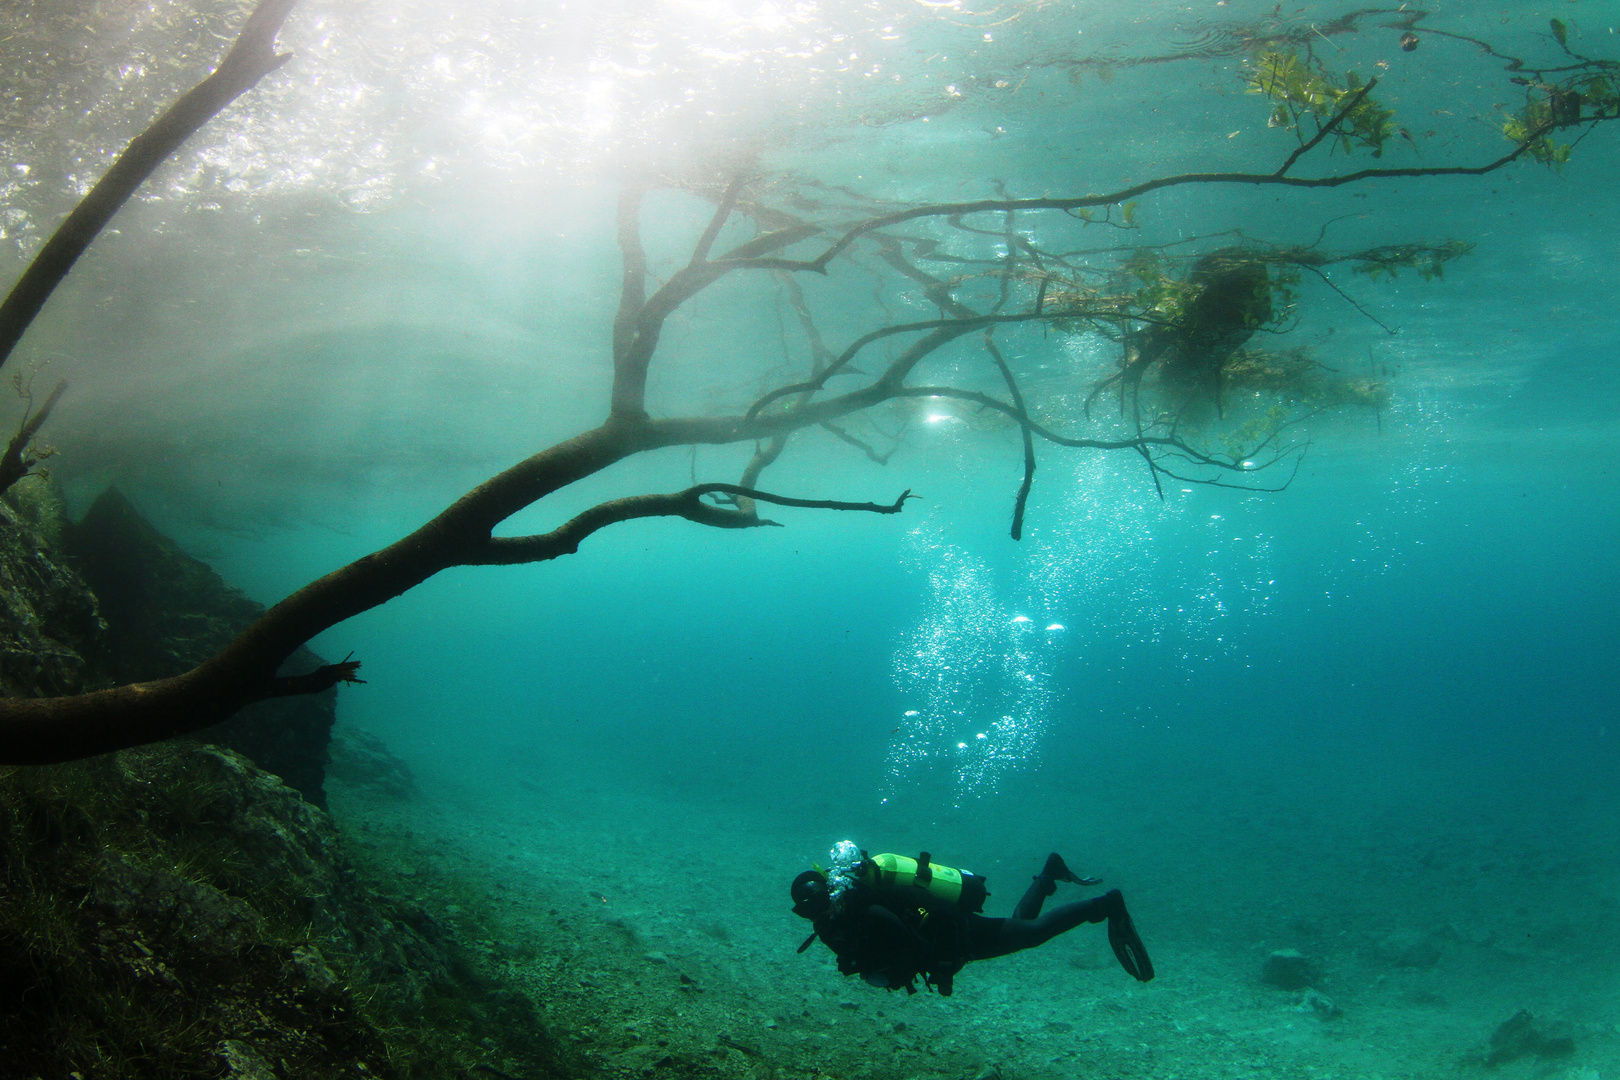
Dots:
pixel 1378 707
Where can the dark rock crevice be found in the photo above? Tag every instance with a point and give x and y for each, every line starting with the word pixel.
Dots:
pixel 166 612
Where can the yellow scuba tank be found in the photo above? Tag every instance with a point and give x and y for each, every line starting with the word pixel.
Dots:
pixel 960 887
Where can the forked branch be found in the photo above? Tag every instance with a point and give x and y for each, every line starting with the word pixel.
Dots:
pixel 688 504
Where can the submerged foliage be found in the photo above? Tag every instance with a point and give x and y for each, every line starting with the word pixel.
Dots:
pixel 1183 330
pixel 1550 107
pixel 1298 89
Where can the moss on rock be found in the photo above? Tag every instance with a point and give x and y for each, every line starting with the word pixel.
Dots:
pixel 50 621
pixel 173 911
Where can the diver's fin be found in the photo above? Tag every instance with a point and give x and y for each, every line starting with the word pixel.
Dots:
pixel 1056 871
pixel 1126 942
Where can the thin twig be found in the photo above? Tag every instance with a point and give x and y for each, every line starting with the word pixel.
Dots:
pixel 1355 99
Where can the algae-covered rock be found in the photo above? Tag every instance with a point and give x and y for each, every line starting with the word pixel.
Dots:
pixel 244 1062
pixel 167 612
pixel 1318 1005
pixel 173 911
pixel 49 618
pixel 124 891
pixel 144 921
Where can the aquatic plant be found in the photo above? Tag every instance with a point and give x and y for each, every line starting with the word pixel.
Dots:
pixel 1181 318
pixel 1191 332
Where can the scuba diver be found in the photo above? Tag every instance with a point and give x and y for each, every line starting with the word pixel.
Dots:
pixel 890 919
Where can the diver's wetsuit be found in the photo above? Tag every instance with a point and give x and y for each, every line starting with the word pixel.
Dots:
pixel 889 935
pixel 1027 928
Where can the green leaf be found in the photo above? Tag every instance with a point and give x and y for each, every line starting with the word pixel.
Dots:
pixel 1296 88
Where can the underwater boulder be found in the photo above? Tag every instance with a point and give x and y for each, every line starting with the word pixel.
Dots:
pixel 210 921
pixel 167 612
pixel 244 1062
pixel 362 760
pixel 1520 1036
pixel 1289 969
pixel 183 912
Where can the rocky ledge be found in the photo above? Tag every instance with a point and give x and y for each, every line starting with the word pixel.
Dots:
pixel 176 911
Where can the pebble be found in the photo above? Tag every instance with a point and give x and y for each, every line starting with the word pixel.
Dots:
pixel 1319 1005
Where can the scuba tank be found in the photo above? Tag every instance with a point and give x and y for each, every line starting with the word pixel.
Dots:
pixel 960 887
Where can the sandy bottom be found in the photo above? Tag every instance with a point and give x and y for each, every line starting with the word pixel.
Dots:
pixel 652 923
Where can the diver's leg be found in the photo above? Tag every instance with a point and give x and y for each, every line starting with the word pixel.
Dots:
pixel 1012 935
pixel 997 937
pixel 1039 889
pixel 1044 885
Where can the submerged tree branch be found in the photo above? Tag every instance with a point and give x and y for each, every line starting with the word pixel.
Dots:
pixel 1021 501
pixel 1328 128
pixel 873 455
pixel 251 58
pixel 18 460
pixel 633 282
pixel 40 730
pixel 977 206
pixel 688 504
pixel 963 325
